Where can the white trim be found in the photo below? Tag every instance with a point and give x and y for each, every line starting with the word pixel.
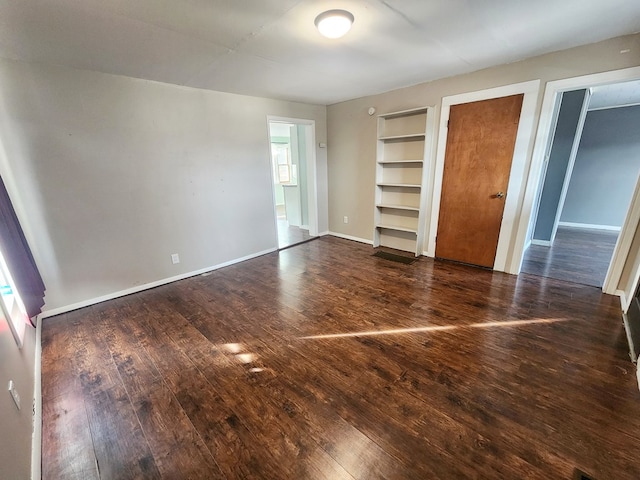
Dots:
pixel 623 300
pixel 552 90
pixel 325 233
pixel 36 439
pixel 146 286
pixel 547 156
pixel 349 237
pixel 517 177
pixel 573 154
pixel 627 331
pixel 635 104
pixel 622 249
pixel 590 226
pixel 541 243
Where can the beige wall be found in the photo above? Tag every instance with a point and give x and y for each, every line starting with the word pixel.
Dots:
pixel 16 425
pixel 111 175
pixel 352 132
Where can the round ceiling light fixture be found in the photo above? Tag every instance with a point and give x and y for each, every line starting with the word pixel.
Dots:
pixel 334 23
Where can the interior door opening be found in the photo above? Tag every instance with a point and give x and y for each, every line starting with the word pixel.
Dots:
pixel 591 170
pixel 294 182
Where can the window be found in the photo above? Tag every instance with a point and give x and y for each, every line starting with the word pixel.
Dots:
pixel 11 304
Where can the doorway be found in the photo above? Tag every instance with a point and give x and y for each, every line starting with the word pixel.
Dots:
pixel 590 174
pixel 292 157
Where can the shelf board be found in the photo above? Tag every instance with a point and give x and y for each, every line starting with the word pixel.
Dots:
pixel 408 136
pixel 398 207
pixel 402 113
pixel 383 162
pixel 402 185
pixel 397 228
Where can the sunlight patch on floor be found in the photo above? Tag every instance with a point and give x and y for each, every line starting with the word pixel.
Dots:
pixel 437 328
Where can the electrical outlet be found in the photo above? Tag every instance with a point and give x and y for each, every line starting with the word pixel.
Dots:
pixel 175 258
pixel 345 219
pixel 14 394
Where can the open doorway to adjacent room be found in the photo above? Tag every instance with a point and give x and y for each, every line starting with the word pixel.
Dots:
pixel 591 171
pixel 294 181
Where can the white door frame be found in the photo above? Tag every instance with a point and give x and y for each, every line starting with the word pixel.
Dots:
pixel 571 164
pixel 621 251
pixel 517 177
pixel 312 182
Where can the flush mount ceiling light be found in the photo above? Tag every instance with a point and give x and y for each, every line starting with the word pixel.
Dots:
pixel 334 23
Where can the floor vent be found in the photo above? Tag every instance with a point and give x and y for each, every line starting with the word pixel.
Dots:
pixel 395 258
pixel 580 475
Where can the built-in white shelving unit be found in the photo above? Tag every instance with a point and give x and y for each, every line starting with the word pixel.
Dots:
pixel 404 140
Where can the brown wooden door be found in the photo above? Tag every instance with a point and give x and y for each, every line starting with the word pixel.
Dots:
pixel 480 143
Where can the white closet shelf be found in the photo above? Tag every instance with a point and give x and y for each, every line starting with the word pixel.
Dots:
pixel 397 228
pixel 386 162
pixel 408 136
pixel 399 207
pixel 404 147
pixel 404 113
pixel 402 185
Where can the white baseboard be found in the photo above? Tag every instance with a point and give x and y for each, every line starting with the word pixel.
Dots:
pixel 147 286
pixel 590 226
pixel 542 243
pixel 349 237
pixel 36 439
pixel 627 331
pixel 325 233
pixel 624 303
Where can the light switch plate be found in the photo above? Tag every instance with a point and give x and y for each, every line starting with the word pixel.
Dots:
pixel 14 394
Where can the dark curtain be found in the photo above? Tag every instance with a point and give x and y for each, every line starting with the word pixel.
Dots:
pixel 18 256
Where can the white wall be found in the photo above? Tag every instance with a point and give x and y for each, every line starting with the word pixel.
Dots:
pixel 111 175
pixel 16 425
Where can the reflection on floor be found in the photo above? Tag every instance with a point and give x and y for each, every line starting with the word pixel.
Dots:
pixel 578 255
pixel 289 235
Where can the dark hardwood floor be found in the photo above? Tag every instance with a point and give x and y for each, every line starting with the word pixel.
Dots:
pixel 577 255
pixel 322 361
pixel 289 235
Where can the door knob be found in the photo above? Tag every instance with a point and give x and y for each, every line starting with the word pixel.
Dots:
pixel 500 195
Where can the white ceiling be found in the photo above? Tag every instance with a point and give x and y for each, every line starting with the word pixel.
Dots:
pixel 271 47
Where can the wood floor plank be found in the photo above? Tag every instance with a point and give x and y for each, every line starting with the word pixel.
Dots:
pixel 120 447
pixel 73 460
pixel 177 447
pixel 577 255
pixel 322 361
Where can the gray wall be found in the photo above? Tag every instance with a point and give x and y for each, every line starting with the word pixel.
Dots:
pixel 111 175
pixel 16 425
pixel 565 133
pixel 606 168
